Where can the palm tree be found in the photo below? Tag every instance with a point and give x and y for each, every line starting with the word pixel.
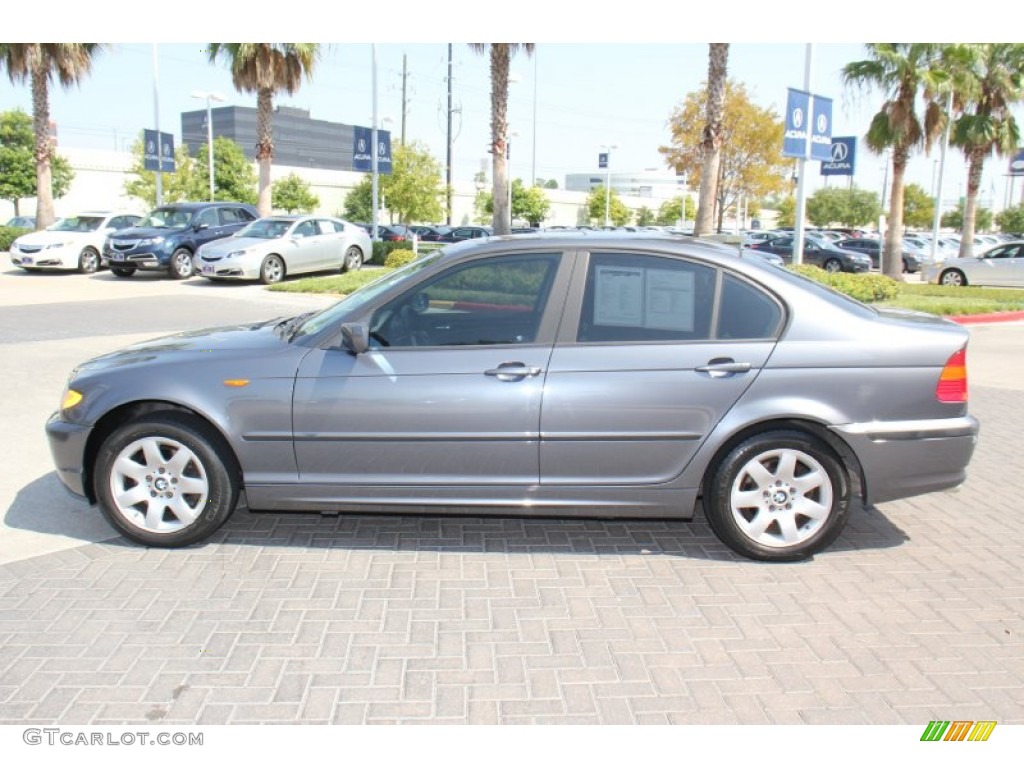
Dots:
pixel 711 138
pixel 39 63
pixel 988 82
pixel 501 57
pixel 265 69
pixel 901 71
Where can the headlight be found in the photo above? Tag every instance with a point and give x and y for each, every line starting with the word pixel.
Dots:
pixel 59 245
pixel 151 241
pixel 235 254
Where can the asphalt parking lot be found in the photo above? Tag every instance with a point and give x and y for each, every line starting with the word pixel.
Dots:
pixel 915 614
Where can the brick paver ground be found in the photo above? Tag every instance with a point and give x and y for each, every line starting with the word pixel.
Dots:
pixel 914 615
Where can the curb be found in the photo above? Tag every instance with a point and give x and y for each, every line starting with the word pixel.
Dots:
pixel 992 317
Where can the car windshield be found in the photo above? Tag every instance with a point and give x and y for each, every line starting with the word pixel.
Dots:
pixel 77 224
pixel 363 296
pixel 166 218
pixel 266 229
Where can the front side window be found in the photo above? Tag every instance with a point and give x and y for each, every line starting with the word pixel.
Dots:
pixel 167 218
pixel 498 300
pixel 634 298
pixel 306 229
pixel 78 224
pixel 208 217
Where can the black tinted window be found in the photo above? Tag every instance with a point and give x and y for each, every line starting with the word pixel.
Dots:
pixel 208 217
pixel 646 298
pixel 746 312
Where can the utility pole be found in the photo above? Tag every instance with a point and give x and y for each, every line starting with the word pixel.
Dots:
pixel 448 158
pixel 405 74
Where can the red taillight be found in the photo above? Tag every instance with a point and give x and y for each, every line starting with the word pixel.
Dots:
pixel 952 386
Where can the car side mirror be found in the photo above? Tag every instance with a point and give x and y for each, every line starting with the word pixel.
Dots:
pixel 355 337
pixel 201 227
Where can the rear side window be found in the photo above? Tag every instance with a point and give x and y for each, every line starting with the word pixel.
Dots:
pixel 746 312
pixel 639 298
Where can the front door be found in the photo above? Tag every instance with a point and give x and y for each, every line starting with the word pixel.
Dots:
pixel 450 391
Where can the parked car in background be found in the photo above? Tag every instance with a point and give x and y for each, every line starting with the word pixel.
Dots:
pixel 393 233
pixel 873 249
pixel 817 252
pixel 167 239
pixel 1002 265
pixel 274 247
pixel 430 234
pixel 72 243
pixel 547 375
pixel 22 222
pixel 458 234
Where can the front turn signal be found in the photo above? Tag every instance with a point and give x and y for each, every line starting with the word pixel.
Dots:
pixel 71 399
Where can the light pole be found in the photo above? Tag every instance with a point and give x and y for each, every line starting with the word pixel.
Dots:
pixel 210 97
pixel 608 182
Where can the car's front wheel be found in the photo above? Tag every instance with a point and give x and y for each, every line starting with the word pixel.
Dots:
pixel 780 495
pixel 953 277
pixel 272 270
pixel 88 261
pixel 122 271
pixel 833 265
pixel 181 264
pixel 353 259
pixel 166 480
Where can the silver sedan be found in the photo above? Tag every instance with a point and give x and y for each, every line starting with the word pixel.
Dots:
pixel 1002 265
pixel 273 247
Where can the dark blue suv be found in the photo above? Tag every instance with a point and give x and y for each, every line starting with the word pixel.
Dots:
pixel 167 239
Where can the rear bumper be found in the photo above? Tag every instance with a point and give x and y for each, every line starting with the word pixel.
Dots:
pixel 67 445
pixel 908 458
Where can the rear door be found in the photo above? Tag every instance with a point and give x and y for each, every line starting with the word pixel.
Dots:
pixel 651 354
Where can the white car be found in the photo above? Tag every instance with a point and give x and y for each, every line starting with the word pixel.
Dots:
pixel 999 266
pixel 270 248
pixel 72 243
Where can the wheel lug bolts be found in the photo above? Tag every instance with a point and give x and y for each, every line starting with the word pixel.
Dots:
pixel 789 506
pixel 174 479
pixel 153 494
pixel 161 470
pixel 149 478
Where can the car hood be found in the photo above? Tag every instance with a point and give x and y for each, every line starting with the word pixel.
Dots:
pixel 137 233
pixel 226 245
pixel 47 237
pixel 196 347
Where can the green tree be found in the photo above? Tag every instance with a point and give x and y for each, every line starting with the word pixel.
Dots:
pixel 750 165
pixel 955 219
pixel 617 210
pixel 234 179
pixel 359 201
pixel 501 58
pixel 918 207
pixel 848 207
pixel 292 194
pixel 644 216
pixel 266 69
pixel 547 183
pixel 671 211
pixel 1011 219
pixel 17 163
pixel 988 84
pixel 183 184
pixel 39 63
pixel 711 136
pixel 901 71
pixel 527 203
pixel 787 212
pixel 413 191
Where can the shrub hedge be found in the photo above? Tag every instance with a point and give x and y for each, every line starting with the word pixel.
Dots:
pixel 398 257
pixel 8 235
pixel 864 287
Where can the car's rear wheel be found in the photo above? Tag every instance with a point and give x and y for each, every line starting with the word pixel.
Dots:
pixel 353 259
pixel 88 261
pixel 122 271
pixel 833 265
pixel 782 495
pixel 166 480
pixel 953 277
pixel 181 264
pixel 272 270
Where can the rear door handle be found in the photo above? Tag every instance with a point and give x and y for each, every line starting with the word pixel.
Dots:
pixel 721 367
pixel 513 371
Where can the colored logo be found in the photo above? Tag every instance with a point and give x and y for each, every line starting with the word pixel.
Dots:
pixel 798 118
pixel 839 153
pixel 822 123
pixel 958 730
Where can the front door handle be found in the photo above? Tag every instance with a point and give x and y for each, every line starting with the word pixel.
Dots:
pixel 721 367
pixel 513 371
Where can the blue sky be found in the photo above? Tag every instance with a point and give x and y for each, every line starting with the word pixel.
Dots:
pixel 588 93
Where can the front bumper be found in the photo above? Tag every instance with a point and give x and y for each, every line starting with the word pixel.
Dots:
pixel 47 258
pixel 67 445
pixel 228 269
pixel 144 260
pixel 907 458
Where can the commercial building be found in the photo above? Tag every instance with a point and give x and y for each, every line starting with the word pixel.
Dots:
pixel 650 183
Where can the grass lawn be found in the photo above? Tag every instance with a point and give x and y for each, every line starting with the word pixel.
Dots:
pixel 333 284
pixel 949 300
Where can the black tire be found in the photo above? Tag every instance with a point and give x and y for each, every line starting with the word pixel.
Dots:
pixel 272 270
pixel 210 463
pixel 181 267
pixel 88 261
pixel 352 260
pixel 832 265
pixel 953 277
pixel 751 516
pixel 32 269
pixel 123 271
